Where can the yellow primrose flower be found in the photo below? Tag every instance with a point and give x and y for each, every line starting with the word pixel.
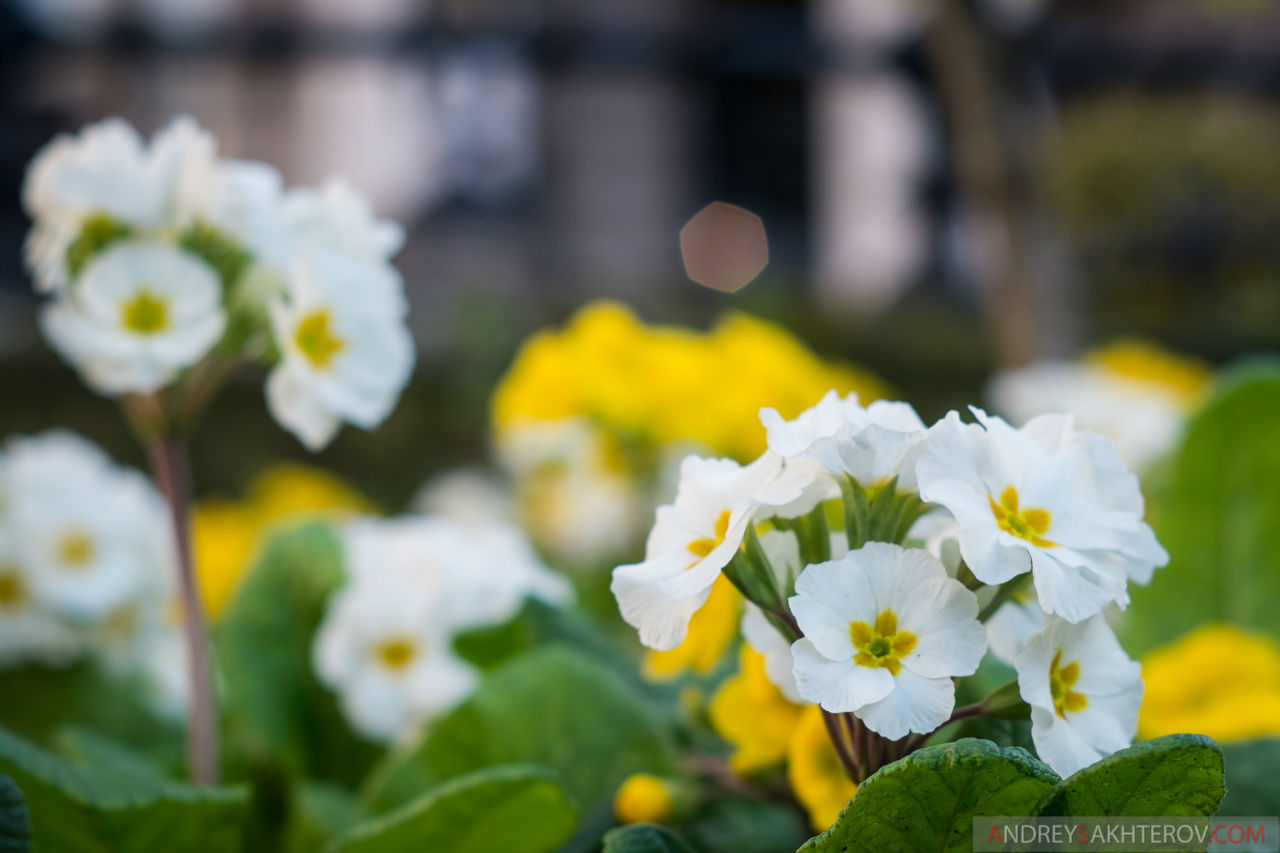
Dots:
pixel 1217 680
pixel 661 386
pixel 814 771
pixel 224 533
pixel 643 798
pixel 711 630
pixel 753 715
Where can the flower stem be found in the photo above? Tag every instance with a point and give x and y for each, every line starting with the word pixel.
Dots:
pixel 169 465
pixel 1004 592
pixel 842 746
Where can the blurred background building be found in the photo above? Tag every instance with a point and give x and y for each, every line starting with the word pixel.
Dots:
pixel 945 186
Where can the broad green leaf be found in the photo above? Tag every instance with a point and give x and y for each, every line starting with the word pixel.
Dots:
pixel 552 707
pixel 927 801
pixel 278 711
pixel 89 810
pixel 15 823
pixel 1252 787
pixel 644 838
pixel 1173 776
pixel 90 749
pixel 46 699
pixel 1217 519
pixel 318 812
pixel 513 809
pixel 746 826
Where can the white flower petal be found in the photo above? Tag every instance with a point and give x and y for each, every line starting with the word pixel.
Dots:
pixel 839 685
pixel 916 704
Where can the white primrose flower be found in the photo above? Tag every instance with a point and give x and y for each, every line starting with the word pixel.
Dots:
pixel 385 647
pixel 872 444
pixel 28 630
pixel 92 536
pixel 139 313
pixel 1012 625
pixel 779 667
pixel 695 537
pixel 1045 499
pixel 885 630
pixel 414 584
pixel 1083 690
pixel 337 216
pixel 345 348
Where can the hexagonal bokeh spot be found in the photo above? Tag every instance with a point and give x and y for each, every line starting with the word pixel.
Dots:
pixel 724 247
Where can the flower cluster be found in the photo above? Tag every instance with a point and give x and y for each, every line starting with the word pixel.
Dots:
pixel 591 418
pixel 415 583
pixel 945 528
pixel 166 265
pixel 86 566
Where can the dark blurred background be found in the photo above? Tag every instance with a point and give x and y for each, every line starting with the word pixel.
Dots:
pixel 946 187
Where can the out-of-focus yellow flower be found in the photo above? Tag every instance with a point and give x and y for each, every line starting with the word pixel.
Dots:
pixel 659 386
pixel 1218 681
pixel 643 798
pixel 711 630
pixel 224 533
pixel 1183 379
pixel 753 715
pixel 814 771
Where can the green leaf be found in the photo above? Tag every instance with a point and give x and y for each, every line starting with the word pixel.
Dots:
pixel 552 707
pixel 1217 520
pixel 15 823
pixel 318 811
pixel 927 801
pixel 96 234
pixel 513 809
pixel 90 749
pixel 278 712
pixel 644 838
pixel 1251 778
pixel 86 810
pixel 1173 776
pixel 746 826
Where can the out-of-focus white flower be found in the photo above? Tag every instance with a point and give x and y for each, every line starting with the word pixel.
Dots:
pixel 872 444
pixel 28 630
pixel 1135 394
pixel 92 536
pixel 577 503
pixel 465 495
pixel 414 584
pixel 1083 690
pixel 938 532
pixel 1044 499
pixel 695 537
pixel 139 313
pixel 885 630
pixel 346 351
pixel 336 216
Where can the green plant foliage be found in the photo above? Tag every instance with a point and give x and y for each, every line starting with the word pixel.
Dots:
pixel 89 749
pixel 514 809
pixel 1252 788
pixel 318 812
pixel 227 257
pixel 644 838
pixel 746 826
pixel 277 710
pixel 553 707
pixel 15 823
pixel 927 801
pixel 1218 520
pixel 98 233
pixel 78 809
pixel 1173 776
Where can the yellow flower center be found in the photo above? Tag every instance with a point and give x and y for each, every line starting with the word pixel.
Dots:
pixel 12 590
pixel 75 549
pixel 881 645
pixel 146 314
pixel 1028 524
pixel 316 340
pixel 1061 680
pixel 397 654
pixel 702 547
